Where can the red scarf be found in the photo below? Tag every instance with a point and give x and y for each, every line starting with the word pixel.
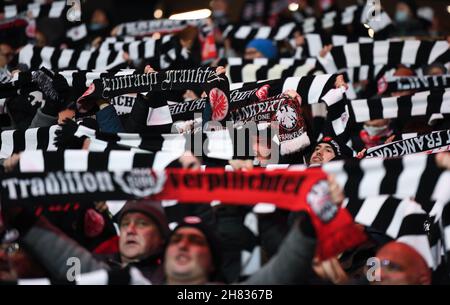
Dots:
pixel 285 188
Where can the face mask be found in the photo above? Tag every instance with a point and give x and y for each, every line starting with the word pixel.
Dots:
pixel 96 26
pixel 375 130
pixel 401 16
pixel 218 14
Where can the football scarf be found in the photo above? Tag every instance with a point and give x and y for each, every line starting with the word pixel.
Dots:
pixel 423 143
pixel 387 53
pixel 423 103
pixel 162 26
pixel 416 83
pixel 57 59
pixel 57 9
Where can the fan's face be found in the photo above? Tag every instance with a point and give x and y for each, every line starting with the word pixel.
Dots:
pixel 323 153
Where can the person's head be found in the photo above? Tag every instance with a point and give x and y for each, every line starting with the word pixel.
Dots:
pixel 16 263
pixel 143 230
pixel 302 4
pixel 376 126
pixel 405 10
pixel 403 71
pixel 323 153
pixel 435 68
pixel 99 20
pixel 402 265
pixel 192 255
pixel 219 7
pixel 376 132
pixel 6 54
pixel 188 36
pixel 41 39
pixel 262 147
pixel 260 48
pixel 326 5
pixel 329 149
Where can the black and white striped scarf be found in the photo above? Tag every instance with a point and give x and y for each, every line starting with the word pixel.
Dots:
pixel 57 9
pixel 314 43
pixel 214 144
pixel 138 49
pixel 14 141
pixel 58 59
pixel 364 73
pixel 387 53
pixel 400 219
pixel 424 143
pixel 423 103
pixel 162 26
pixel 249 32
pixel 412 176
pixel 85 160
pixel 417 83
pixel 159 52
pixel 127 276
pixel 356 15
pixel 239 70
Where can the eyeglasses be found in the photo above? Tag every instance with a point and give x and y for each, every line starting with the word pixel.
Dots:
pixel 10 248
pixel 8 242
pixel 390 265
pixel 192 238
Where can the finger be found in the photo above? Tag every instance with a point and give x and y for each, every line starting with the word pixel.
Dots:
pixel 341 276
pixel 443 160
pixel 149 69
pixel 362 153
pixel 86 144
pixel 328 270
pixel 390 139
pixel 220 70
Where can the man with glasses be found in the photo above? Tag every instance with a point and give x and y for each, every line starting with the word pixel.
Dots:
pixel 402 265
pixel 15 262
pixel 193 255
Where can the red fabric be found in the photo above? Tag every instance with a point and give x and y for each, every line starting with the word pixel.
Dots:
pixel 285 188
pixel 209 50
pixel 372 141
pixel 109 246
pixel 94 224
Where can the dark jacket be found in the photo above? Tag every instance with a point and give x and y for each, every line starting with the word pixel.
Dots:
pixel 108 120
pixel 53 249
pixel 151 267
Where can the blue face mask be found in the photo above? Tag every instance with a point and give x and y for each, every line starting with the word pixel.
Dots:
pixel 401 16
pixel 96 26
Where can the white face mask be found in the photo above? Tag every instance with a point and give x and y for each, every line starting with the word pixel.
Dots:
pixel 375 130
